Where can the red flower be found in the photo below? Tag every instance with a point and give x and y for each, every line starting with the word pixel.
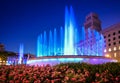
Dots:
pixel 17 81
pixel 66 78
pixel 52 81
pixel 116 78
pixel 73 79
pixel 97 74
pixel 27 81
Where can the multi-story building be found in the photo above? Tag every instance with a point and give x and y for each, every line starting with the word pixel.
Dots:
pixel 112 41
pixel 93 22
pixel 111 38
pixel 111 35
pixel 92 41
pixel 1 47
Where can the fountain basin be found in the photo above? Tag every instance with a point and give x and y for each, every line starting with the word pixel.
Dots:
pixel 54 60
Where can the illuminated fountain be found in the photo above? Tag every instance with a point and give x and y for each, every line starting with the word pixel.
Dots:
pixel 20 54
pixel 59 46
pixel 69 32
pixel 61 43
pixel 18 58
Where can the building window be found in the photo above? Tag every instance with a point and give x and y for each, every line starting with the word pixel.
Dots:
pixel 119 47
pixel 114 43
pixel 105 50
pixel 104 36
pixel 114 38
pixel 119 31
pixel 107 55
pixel 109 35
pixel 109 40
pixel 109 44
pixel 114 33
pixel 115 54
pixel 109 49
pixel 95 17
pixel 114 48
pixel 119 37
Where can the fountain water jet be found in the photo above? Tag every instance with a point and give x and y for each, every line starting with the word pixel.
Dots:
pixel 44 45
pixel 55 41
pixel 61 42
pixel 69 42
pixel 20 54
pixel 39 46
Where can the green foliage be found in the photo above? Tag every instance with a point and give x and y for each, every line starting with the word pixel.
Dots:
pixel 111 67
pixel 62 73
pixel 107 69
pixel 5 54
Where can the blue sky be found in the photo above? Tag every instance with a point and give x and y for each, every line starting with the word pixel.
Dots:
pixel 21 21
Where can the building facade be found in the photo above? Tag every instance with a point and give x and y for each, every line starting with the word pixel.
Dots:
pixel 92 41
pixel 93 22
pixel 112 41
pixel 2 47
pixel 91 44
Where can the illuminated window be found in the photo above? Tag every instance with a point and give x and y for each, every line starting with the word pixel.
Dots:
pixel 115 54
pixel 119 47
pixel 107 55
pixel 109 50
pixel 114 48
pixel 105 50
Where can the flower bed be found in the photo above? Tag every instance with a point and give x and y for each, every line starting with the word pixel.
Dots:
pixel 62 73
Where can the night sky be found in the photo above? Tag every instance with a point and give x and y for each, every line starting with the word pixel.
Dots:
pixel 21 21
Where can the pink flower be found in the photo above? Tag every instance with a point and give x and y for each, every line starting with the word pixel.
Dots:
pixel 97 74
pixel 48 80
pixel 116 78
pixel 11 81
pixel 52 81
pixel 20 75
pixel 97 82
pixel 27 81
pixel 73 79
pixel 78 70
pixel 17 81
pixel 66 78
